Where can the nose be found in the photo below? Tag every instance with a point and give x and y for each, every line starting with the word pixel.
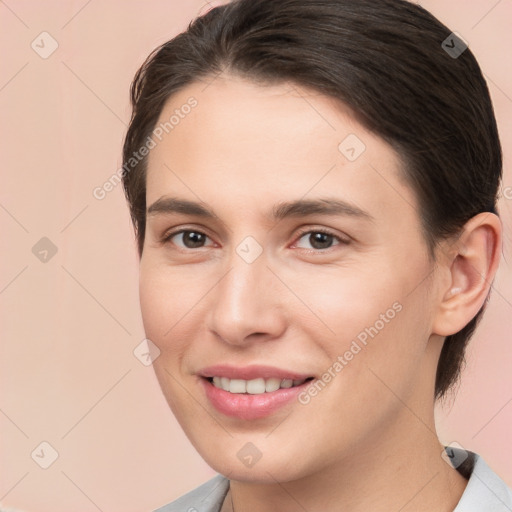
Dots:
pixel 248 303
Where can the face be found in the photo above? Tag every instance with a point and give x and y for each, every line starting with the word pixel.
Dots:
pixel 306 260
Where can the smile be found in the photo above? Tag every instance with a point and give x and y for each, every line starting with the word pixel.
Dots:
pixel 256 386
pixel 251 392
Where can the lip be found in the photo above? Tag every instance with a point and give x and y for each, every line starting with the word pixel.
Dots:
pixel 250 407
pixel 250 372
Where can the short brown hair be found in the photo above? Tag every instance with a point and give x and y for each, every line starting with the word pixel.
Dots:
pixel 383 58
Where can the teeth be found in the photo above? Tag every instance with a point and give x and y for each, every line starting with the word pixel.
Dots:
pixel 287 383
pixel 237 386
pixel 254 386
pixel 272 385
pixel 224 382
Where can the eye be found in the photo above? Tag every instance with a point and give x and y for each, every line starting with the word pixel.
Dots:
pixel 321 239
pixel 190 238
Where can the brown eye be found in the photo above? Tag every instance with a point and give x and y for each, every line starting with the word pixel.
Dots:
pixel 190 239
pixel 321 240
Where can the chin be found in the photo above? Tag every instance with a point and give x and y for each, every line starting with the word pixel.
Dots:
pixel 265 470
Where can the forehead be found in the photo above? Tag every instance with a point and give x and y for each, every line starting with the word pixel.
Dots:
pixel 252 146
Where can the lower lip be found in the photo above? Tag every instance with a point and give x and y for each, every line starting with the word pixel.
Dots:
pixel 250 407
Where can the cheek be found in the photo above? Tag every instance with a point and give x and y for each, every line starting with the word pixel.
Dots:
pixel 164 300
pixel 376 317
pixel 167 307
pixel 375 354
pixel 346 301
pixel 152 299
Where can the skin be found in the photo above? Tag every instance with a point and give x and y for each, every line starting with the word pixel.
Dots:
pixel 367 441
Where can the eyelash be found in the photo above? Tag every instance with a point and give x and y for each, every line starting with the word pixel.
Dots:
pixel 166 238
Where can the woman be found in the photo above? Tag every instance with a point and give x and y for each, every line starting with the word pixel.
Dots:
pixel 313 187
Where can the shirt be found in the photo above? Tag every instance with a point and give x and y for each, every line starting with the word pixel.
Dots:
pixel 484 492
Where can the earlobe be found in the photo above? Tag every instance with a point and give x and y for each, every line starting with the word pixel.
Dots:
pixel 473 263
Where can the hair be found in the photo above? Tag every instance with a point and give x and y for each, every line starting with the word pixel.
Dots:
pixel 385 60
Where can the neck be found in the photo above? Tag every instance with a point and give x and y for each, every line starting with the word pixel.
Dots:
pixel 396 471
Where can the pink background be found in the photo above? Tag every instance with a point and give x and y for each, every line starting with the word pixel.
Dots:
pixel 68 375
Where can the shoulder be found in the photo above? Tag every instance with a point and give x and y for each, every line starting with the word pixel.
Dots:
pixel 208 497
pixel 485 490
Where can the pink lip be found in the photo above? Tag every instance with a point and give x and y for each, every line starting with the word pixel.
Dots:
pixel 250 372
pixel 250 407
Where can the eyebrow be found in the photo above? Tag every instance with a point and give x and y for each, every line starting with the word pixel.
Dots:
pixel 282 210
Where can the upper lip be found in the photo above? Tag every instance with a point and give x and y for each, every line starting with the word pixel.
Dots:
pixel 250 372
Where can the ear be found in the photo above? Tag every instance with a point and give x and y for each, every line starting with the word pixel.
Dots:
pixel 471 263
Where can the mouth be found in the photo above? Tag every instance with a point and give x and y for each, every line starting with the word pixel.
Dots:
pixel 251 392
pixel 260 393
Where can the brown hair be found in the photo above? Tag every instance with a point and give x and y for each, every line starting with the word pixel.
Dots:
pixel 386 60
